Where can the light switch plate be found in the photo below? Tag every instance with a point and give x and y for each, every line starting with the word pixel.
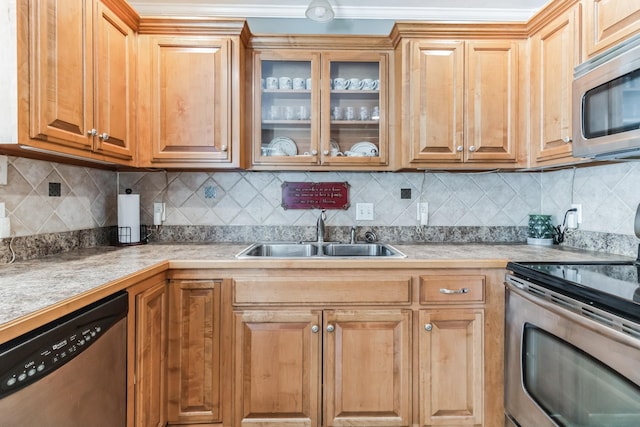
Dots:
pixel 364 211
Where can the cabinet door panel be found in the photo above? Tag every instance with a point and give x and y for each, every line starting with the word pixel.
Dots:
pixel 367 368
pixel 451 368
pixel 194 352
pixel 437 102
pixel 61 80
pixel 492 89
pixel 609 22
pixel 151 347
pixel 555 52
pixel 278 368
pixel 190 99
pixel 114 113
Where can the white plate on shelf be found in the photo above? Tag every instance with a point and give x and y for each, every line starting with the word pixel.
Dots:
pixel 365 147
pixel 334 144
pixel 282 144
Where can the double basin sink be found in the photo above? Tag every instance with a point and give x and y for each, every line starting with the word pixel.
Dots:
pixel 327 250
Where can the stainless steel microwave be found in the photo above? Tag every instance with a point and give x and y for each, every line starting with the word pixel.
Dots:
pixel 606 104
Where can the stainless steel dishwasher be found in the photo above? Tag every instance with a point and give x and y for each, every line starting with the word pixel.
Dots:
pixel 70 372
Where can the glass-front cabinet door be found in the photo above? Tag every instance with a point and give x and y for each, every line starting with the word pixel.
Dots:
pixel 286 108
pixel 320 109
pixel 354 108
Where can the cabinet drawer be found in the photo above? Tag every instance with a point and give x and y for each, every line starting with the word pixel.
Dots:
pixel 451 289
pixel 316 290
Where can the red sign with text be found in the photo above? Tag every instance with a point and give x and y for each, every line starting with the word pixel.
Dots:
pixel 315 195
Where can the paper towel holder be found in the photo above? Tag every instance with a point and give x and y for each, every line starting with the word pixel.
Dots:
pixel 118 235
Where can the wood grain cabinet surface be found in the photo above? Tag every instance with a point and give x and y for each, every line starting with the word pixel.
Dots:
pixel 461 103
pixel 190 93
pixel 608 22
pixel 81 80
pixel 555 51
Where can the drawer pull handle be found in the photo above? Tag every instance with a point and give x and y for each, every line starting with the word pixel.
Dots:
pixel 331 328
pixel 452 291
pixel 315 329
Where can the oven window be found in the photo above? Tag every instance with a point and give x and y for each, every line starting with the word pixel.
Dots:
pixel 613 107
pixel 573 388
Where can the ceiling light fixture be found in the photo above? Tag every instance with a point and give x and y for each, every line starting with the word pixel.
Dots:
pixel 320 10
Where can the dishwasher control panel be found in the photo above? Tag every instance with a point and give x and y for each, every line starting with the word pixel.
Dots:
pixel 31 357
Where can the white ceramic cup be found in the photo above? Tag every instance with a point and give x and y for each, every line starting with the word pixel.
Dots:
pixel 338 113
pixel 355 84
pixel 274 112
pixel 271 83
pixel 289 113
pixel 303 112
pixel 299 83
pixel 349 113
pixel 375 113
pixel 336 153
pixel 285 83
pixel 363 113
pixel 340 84
pixel 370 84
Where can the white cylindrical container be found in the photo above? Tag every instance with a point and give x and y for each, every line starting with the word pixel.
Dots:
pixel 128 218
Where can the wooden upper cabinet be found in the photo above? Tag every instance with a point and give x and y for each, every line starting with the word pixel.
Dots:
pixel 81 80
pixel 608 22
pixel 115 75
pixel 437 102
pixel 555 51
pixel 189 96
pixel 462 102
pixel 61 83
pixel 492 101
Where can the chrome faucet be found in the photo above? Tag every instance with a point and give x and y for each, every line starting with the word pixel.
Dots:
pixel 320 227
pixel 352 238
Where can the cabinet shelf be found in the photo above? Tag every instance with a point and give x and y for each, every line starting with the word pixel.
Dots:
pixel 284 91
pixel 355 122
pixel 287 122
pixel 354 92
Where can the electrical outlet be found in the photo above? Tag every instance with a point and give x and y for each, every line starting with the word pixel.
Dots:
pixel 364 211
pixel 578 213
pixel 423 213
pixel 159 213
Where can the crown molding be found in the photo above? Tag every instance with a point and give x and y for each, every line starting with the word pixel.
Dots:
pixel 342 12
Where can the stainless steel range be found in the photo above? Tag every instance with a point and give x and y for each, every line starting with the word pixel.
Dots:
pixel 572 353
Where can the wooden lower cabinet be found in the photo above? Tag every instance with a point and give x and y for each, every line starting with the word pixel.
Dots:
pixel 148 326
pixel 450 367
pixel 194 394
pixel 284 357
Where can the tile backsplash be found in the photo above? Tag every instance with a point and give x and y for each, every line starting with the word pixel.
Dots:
pixel 609 196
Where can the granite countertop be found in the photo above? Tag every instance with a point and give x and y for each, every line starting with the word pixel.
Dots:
pixel 31 286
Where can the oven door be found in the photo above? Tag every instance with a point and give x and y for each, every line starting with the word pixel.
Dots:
pixel 563 369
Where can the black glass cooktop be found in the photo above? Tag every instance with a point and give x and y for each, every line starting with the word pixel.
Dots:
pixel 612 286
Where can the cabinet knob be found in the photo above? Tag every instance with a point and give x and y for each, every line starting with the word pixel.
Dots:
pixel 428 327
pixel 315 329
pixel 92 132
pixel 454 291
pixel 566 139
pixel 224 148
pixel 325 152
pixel 331 328
pixel 472 148
pixel 104 136
pixel 459 148
pixel 315 152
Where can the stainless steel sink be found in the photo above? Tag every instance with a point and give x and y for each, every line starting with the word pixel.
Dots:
pixel 314 250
